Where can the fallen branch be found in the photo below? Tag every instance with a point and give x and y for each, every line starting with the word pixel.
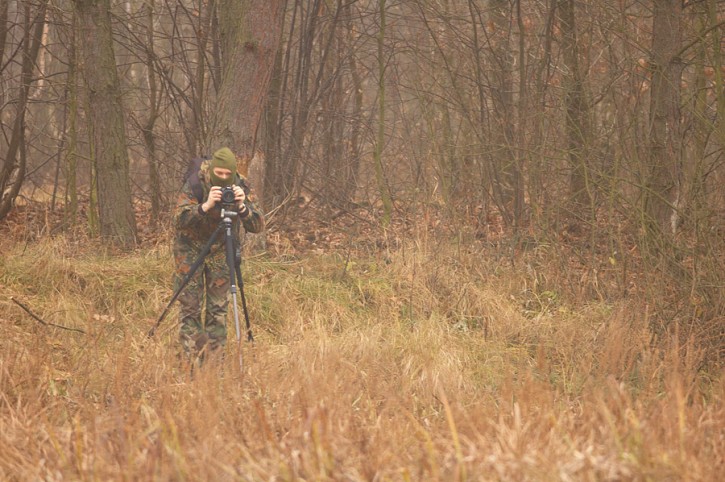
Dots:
pixel 40 320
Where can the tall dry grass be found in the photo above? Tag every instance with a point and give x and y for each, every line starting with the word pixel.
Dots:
pixel 427 363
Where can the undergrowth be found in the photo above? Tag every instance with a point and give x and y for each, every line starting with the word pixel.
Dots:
pixel 423 363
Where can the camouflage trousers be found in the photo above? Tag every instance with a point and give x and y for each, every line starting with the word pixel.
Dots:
pixel 202 330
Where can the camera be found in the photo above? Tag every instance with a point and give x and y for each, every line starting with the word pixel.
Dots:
pixel 228 199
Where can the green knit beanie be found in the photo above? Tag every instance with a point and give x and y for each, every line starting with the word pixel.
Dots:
pixel 223 158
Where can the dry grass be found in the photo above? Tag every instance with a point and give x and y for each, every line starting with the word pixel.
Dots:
pixel 424 364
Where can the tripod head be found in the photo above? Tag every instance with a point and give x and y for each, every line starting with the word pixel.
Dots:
pixel 228 214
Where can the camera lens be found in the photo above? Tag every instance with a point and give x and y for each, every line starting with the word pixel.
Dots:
pixel 227 195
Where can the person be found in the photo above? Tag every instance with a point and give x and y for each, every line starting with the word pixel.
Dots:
pixel 197 216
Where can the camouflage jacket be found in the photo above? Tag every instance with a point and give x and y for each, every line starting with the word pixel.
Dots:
pixel 195 227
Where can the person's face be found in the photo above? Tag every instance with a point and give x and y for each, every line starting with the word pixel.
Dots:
pixel 222 173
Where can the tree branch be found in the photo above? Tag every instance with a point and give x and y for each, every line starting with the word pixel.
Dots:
pixel 41 321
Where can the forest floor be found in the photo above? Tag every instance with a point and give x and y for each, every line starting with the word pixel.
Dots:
pixel 433 349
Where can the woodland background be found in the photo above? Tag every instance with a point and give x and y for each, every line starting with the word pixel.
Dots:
pixel 526 196
pixel 591 125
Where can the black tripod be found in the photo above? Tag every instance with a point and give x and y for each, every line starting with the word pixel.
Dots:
pixel 235 273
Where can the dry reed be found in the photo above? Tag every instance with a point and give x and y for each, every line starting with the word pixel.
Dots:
pixel 422 365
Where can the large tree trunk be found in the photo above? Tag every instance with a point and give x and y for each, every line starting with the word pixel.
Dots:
pixel 578 124
pixel 250 35
pixel 662 189
pixel 105 113
pixel 506 172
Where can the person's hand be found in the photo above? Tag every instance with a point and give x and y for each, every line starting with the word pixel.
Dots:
pixel 239 197
pixel 215 195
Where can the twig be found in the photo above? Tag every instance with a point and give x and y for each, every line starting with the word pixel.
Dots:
pixel 41 321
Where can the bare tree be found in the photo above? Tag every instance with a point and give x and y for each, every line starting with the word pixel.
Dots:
pixel 665 163
pixel 578 123
pixel 506 169
pixel 300 88
pixel 107 124
pixel 153 114
pixel 12 172
pixel 380 139
pixel 250 35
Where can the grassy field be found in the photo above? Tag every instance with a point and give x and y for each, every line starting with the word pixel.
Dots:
pixel 423 363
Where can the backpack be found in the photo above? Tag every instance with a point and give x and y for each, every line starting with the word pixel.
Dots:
pixel 192 177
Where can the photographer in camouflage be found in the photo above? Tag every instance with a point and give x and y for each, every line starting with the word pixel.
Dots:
pixel 195 222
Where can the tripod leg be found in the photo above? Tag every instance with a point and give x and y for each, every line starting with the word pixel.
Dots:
pixel 230 253
pixel 202 254
pixel 238 269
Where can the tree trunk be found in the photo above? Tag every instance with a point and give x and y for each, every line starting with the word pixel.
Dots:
pixel 198 100
pixel 353 167
pixel 380 141
pixel 662 189
pixel 4 25
pixel 250 35
pixel 537 171
pixel 148 128
pixel 718 69
pixel 12 172
pixel 505 171
pixel 105 113
pixel 272 135
pixel 578 126
pixel 521 151
pixel 70 166
pixel 287 178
